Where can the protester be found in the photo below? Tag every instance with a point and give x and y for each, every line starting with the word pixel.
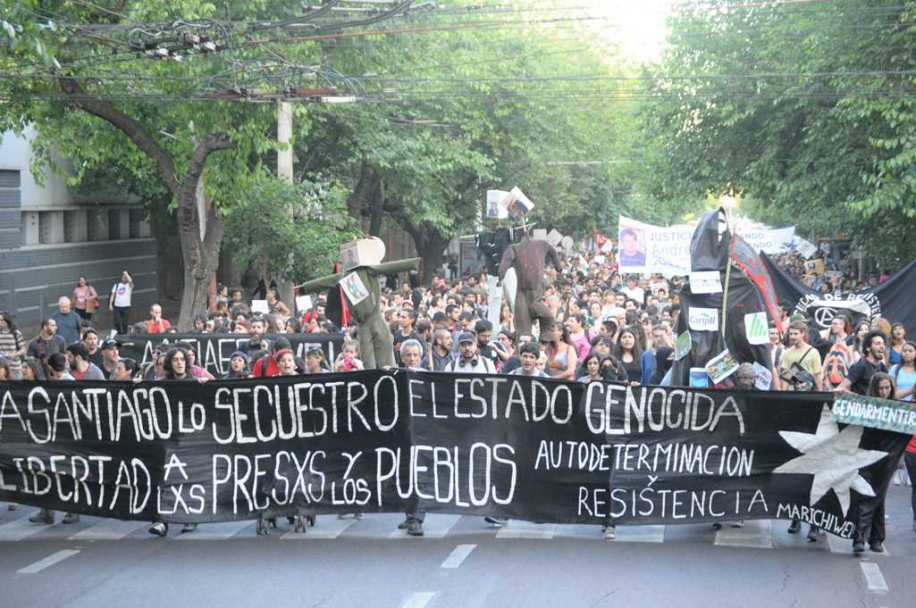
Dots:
pixel 315 363
pixel 898 339
pixel 286 362
pixel 238 365
pixel 628 354
pixel 85 299
pixel 591 365
pixel 119 302
pixel 468 362
pixel 870 525
pixel 68 322
pixel 156 324
pixel 874 348
pixel 91 340
pixel 110 357
pixel 81 368
pixel 800 368
pixel 562 358
pixel 528 357
pixel 47 342
pixel 126 370
pixel 904 373
pixel 33 370
pixel 12 345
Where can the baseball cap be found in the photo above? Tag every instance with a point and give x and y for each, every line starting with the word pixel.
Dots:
pixel 110 344
pixel 466 336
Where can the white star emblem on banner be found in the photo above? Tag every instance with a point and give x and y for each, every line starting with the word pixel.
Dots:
pixel 833 457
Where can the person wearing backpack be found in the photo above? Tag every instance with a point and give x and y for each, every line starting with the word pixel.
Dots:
pixel 800 367
pixel 837 362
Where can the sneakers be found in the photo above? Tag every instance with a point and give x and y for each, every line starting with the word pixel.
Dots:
pixel 610 532
pixel 858 548
pixel 795 526
pixel 415 528
pixel 160 529
pixel 499 522
pixel 405 524
pixel 813 534
pixel 717 526
pixel 188 528
pixel 12 506
pixel 70 518
pixel 359 516
pixel 876 546
pixel 739 523
pixel 43 517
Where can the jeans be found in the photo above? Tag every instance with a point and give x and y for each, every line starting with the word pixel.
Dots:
pixel 909 458
pixel 121 316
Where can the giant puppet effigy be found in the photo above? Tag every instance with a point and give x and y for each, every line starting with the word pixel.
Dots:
pixel 727 306
pixel 362 263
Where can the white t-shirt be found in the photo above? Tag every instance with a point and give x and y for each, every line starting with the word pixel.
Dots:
pixel 122 293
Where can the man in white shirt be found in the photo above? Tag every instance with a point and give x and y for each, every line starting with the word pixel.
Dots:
pixel 468 361
pixel 119 302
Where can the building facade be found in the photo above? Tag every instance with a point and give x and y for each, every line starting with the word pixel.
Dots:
pixel 49 238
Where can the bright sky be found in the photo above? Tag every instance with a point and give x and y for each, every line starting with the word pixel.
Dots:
pixel 638 26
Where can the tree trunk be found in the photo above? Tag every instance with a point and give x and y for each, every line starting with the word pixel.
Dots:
pixel 201 260
pixel 430 244
pixel 169 263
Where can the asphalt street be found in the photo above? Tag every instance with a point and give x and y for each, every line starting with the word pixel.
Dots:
pixel 461 562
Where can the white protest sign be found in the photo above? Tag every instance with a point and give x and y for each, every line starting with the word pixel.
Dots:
pixel 703 319
pixel 496 207
pixel 539 234
pixel 518 204
pixel 354 287
pixel 756 328
pixel 510 283
pixel 645 248
pixel 805 248
pixel 303 303
pixel 706 281
pixel 260 306
pixel 763 378
pixel 771 241
pixel 554 237
pixel 567 243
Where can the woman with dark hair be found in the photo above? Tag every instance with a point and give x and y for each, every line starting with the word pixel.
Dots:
pixel 578 335
pixel 200 325
pixel 33 370
pixel 85 299
pixel 898 339
pixel 590 370
pixel 562 357
pixel 6 374
pixel 904 373
pixel 870 524
pixel 12 345
pixel 628 353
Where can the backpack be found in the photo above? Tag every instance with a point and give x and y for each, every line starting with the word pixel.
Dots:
pixel 836 364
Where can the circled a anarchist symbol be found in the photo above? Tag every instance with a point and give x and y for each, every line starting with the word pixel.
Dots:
pixel 824 315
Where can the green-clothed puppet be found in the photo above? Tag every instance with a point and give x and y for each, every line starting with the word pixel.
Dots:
pixel 360 284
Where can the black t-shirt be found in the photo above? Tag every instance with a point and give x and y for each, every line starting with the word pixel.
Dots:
pixel 860 375
pixel 400 338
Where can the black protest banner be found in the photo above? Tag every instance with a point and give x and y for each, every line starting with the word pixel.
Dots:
pixel 892 299
pixel 214 350
pixel 376 441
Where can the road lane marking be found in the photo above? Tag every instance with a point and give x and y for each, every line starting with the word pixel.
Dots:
pixel 523 530
pixel 49 561
pixel 756 534
pixel 109 529
pixel 420 599
pixel 20 529
pixel 639 534
pixel 220 531
pixel 457 556
pixel 873 577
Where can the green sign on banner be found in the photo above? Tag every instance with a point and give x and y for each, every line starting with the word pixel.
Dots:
pixel 682 346
pixel 756 328
pixel 898 416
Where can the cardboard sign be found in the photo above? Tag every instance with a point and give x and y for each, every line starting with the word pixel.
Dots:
pixel 763 378
pixel 756 328
pixel 303 303
pixel 703 319
pixel 682 346
pixel 721 366
pixel 354 287
pixel 260 306
pixel 706 281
